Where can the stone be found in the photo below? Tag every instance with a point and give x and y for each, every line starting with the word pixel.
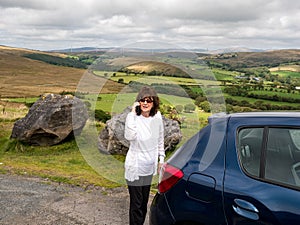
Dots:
pixel 111 139
pixel 49 120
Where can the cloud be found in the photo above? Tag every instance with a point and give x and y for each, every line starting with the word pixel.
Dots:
pixel 52 24
pixel 27 4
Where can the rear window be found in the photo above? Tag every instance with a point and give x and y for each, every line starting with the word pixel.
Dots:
pixel 203 147
pixel 185 152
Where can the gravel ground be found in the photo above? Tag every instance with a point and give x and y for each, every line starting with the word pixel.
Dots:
pixel 36 201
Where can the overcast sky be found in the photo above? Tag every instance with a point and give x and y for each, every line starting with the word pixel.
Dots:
pixel 204 24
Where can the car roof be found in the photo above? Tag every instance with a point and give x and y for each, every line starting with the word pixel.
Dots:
pixel 253 115
pixel 266 114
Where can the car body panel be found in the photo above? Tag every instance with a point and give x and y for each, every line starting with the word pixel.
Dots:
pixel 275 204
pixel 215 189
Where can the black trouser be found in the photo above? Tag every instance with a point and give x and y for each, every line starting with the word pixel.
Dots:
pixel 139 195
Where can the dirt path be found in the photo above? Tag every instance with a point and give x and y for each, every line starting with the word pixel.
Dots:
pixel 35 201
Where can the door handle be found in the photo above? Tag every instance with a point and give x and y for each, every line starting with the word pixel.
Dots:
pixel 245 209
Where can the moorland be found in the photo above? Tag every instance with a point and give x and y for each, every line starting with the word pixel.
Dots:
pixel 244 81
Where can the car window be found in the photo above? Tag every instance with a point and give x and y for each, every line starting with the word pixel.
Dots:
pixel 250 141
pixel 281 156
pixel 277 161
pixel 295 135
pixel 185 152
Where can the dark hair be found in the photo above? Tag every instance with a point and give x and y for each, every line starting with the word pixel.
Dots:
pixel 149 92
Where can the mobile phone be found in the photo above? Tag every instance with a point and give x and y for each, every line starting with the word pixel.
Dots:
pixel 138 110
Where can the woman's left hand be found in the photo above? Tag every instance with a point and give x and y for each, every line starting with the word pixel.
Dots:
pixel 160 167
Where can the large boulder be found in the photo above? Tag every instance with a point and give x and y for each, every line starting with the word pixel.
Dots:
pixel 111 139
pixel 49 120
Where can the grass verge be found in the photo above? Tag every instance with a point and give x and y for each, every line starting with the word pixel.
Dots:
pixel 61 163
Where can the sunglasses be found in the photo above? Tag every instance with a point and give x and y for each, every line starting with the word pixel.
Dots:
pixel 148 100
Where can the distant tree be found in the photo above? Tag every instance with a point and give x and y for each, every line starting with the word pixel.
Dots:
pixel 189 107
pixel 200 99
pixel 205 106
pixel 165 109
pixel 245 103
pixel 102 116
pixel 232 90
pixel 179 108
pixel 121 80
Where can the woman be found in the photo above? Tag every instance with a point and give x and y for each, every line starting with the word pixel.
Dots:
pixel 144 130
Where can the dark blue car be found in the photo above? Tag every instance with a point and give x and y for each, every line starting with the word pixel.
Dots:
pixel 241 169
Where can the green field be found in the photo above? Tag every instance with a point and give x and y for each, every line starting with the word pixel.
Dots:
pixel 281 93
pixel 286 73
pixel 225 75
pixel 253 100
pixel 126 78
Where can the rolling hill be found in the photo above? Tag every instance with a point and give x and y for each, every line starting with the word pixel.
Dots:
pixel 24 77
pixel 155 68
pixel 255 59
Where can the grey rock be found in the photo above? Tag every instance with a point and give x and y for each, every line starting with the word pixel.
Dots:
pixel 111 139
pixel 49 120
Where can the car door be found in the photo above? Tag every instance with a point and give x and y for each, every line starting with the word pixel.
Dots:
pixel 262 168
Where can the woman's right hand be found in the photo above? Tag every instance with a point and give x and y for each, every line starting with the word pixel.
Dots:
pixel 135 104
